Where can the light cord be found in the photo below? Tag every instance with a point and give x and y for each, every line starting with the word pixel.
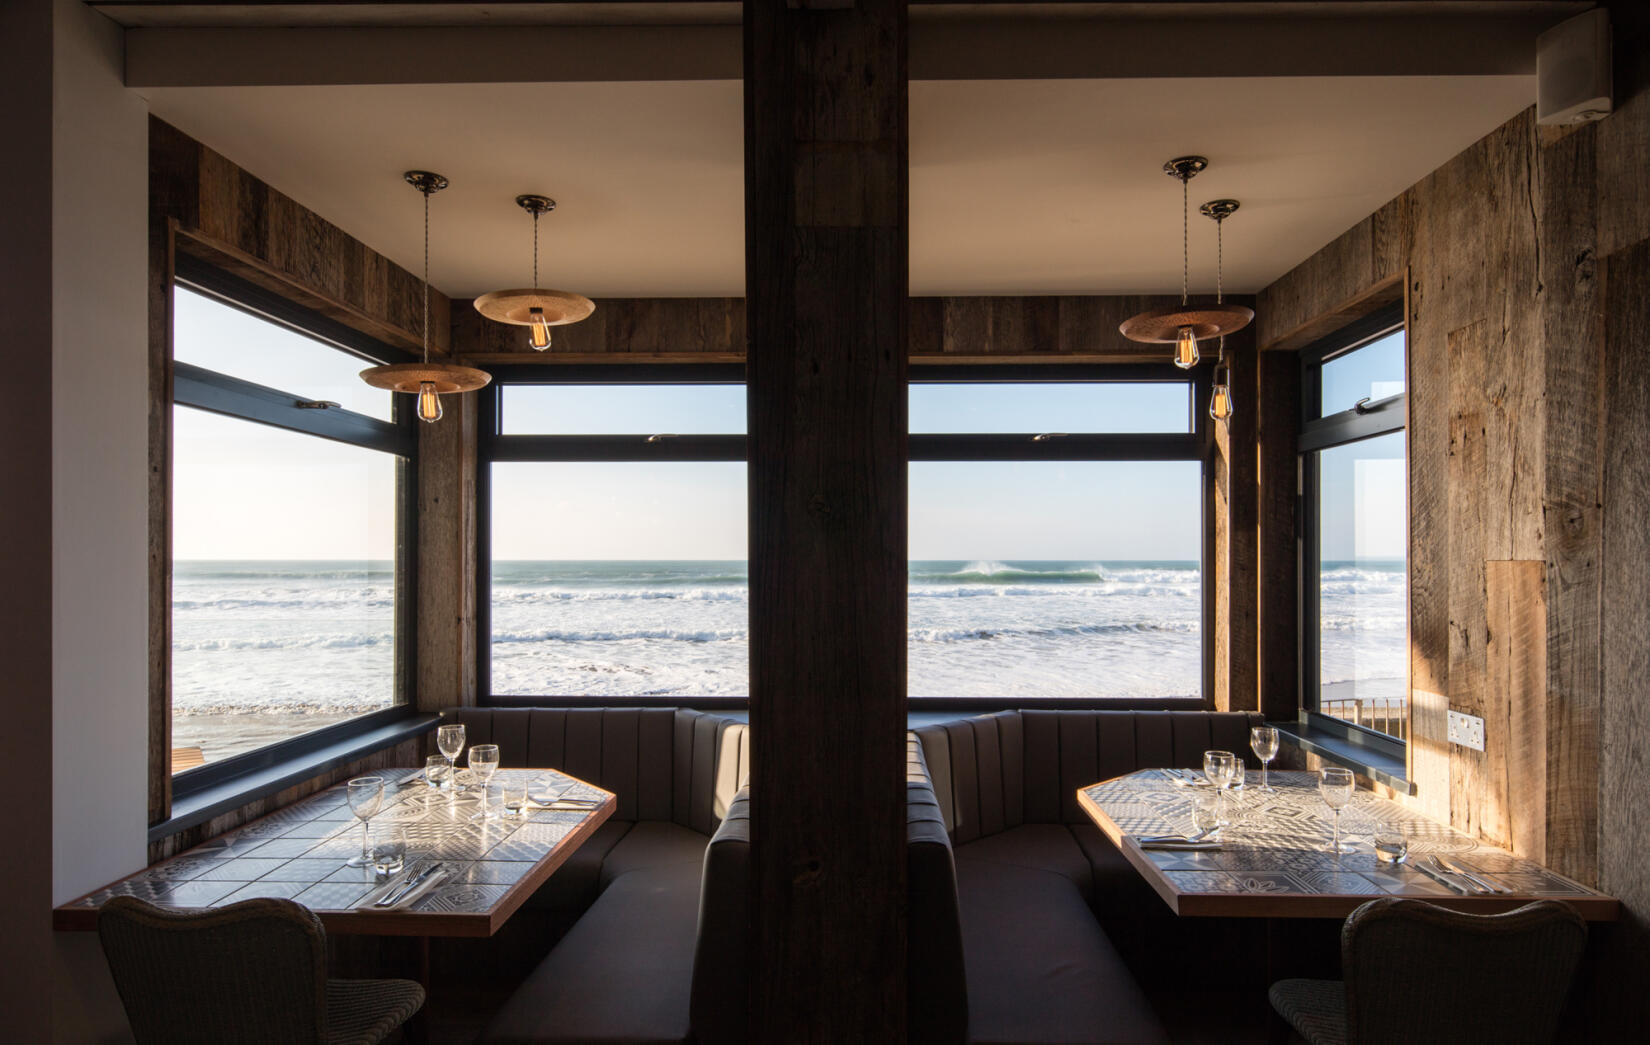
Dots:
pixel 426 277
pixel 1220 263
pixel 1185 236
pixel 535 248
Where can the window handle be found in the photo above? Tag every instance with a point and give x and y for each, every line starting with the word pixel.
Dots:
pixel 317 404
pixel 661 437
pixel 1362 405
pixel 1043 437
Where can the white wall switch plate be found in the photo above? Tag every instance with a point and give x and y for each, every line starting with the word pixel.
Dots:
pixel 1466 730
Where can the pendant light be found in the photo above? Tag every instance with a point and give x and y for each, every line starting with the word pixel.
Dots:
pixel 534 307
pixel 1220 395
pixel 429 381
pixel 1186 325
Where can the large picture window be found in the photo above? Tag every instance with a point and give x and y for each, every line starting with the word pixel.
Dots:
pixel 288 484
pixel 1056 536
pixel 1353 456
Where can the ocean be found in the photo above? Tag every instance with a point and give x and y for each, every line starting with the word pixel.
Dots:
pixel 293 639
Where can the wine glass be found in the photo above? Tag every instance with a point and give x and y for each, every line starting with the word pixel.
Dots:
pixel 450 740
pixel 1218 767
pixel 1335 785
pixel 1263 741
pixel 483 763
pixel 365 794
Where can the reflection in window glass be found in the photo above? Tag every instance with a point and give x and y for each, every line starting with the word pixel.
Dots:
pixel 619 579
pixel 283 589
pixel 1056 579
pixel 623 409
pixel 1363 650
pixel 1035 407
pixel 1372 372
pixel 207 333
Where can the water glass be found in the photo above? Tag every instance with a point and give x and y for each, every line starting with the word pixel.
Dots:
pixel 389 852
pixel 515 798
pixel 483 762
pixel 438 773
pixel 1335 785
pixel 1263 741
pixel 365 794
pixel 1391 843
pixel 449 739
pixel 1218 767
pixel 1205 813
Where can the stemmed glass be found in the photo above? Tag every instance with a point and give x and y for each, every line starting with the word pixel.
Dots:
pixel 450 740
pixel 484 763
pixel 366 794
pixel 1263 741
pixel 1335 785
pixel 1219 767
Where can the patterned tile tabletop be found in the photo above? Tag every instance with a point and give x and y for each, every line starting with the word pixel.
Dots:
pixel 1273 859
pixel 299 852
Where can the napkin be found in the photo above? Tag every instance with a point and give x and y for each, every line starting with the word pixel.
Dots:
pixel 369 901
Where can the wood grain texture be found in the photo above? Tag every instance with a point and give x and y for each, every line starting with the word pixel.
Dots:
pixel 1278 549
pixel 446 557
pixel 1239 600
pixel 826 152
pixel 1571 316
pixel 229 217
pixel 1624 721
pixel 1516 690
pixel 944 330
pixel 160 518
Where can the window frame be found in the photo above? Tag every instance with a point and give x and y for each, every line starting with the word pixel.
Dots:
pixel 1197 444
pixel 202 389
pixel 1367 419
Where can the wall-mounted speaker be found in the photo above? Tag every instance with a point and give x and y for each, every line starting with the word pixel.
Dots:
pixel 1572 70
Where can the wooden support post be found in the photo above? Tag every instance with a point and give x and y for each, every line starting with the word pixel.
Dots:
pixel 826 282
pixel 446 556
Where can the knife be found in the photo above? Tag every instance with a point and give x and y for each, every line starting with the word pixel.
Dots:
pixel 1439 877
pixel 408 886
pixel 1452 866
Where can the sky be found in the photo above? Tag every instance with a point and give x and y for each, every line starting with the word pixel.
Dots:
pixel 247 491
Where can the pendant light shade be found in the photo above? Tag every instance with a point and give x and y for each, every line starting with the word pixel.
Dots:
pixel 534 307
pixel 426 380
pixel 1187 324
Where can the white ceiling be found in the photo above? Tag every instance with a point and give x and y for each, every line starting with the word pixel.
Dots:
pixel 1017 186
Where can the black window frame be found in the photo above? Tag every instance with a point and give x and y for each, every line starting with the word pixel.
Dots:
pixel 228 396
pixel 1197 444
pixel 1367 419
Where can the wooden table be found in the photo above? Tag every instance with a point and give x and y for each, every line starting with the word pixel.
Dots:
pixel 1272 863
pixel 298 853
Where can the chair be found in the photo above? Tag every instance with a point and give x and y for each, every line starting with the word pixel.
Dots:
pixel 1419 973
pixel 253 972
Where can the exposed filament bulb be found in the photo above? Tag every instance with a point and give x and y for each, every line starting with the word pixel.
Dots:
pixel 1185 349
pixel 538 331
pixel 429 402
pixel 1220 398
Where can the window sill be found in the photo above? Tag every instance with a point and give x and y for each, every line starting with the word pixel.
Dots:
pixel 1348 752
pixel 235 792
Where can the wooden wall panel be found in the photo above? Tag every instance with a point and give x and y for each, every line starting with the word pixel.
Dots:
pixel 1516 693
pixel 1571 331
pixel 1239 598
pixel 447 465
pixel 160 518
pixel 1278 553
pixel 228 216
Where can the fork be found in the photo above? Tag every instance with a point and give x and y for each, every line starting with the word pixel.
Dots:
pixel 1470 876
pixel 1439 866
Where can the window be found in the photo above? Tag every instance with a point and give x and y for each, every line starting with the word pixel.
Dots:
pixel 1044 563
pixel 1056 536
pixel 1355 647
pixel 289 484
pixel 613 550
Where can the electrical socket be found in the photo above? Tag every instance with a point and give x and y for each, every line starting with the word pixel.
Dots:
pixel 1466 730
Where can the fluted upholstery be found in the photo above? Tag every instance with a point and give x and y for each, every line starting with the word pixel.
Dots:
pixel 1423 974
pixel 937 993
pixel 252 972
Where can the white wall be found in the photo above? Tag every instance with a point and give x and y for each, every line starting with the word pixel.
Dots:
pixel 100 493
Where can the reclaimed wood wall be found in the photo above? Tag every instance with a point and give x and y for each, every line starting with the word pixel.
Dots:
pixel 1528 270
